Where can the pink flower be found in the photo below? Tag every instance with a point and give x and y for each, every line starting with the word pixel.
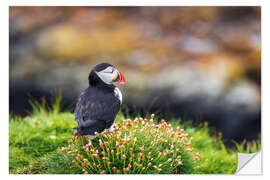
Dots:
pixel 186 144
pixel 94 155
pixel 126 169
pixel 102 172
pixel 114 168
pixel 124 156
pixel 73 162
pixel 136 120
pixel 100 143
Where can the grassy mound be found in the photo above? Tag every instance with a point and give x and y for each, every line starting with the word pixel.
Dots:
pixel 135 147
pixel 36 141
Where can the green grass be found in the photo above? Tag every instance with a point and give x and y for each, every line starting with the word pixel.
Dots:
pixel 35 144
pixel 136 146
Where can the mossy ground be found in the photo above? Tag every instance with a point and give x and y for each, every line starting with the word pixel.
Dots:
pixel 35 144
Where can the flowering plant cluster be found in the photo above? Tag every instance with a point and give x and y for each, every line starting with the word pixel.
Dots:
pixel 136 146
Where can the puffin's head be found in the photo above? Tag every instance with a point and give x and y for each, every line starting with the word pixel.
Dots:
pixel 106 73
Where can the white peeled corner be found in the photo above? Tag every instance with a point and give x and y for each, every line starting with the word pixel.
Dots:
pixel 249 163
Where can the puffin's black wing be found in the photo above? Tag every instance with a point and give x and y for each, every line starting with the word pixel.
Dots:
pixel 95 111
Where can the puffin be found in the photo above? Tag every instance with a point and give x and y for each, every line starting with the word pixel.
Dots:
pixel 98 105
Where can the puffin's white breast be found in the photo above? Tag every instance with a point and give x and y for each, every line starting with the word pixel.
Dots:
pixel 118 94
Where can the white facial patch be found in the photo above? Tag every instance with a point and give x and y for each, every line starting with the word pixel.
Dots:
pixel 107 74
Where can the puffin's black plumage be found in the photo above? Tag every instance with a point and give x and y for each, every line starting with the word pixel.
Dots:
pixel 97 106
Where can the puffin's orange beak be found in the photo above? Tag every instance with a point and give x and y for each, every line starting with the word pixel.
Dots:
pixel 119 78
pixel 122 78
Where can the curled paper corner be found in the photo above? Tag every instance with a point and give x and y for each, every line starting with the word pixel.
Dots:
pixel 249 163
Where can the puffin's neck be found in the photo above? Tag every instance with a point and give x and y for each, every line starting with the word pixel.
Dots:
pixel 109 86
pixel 105 86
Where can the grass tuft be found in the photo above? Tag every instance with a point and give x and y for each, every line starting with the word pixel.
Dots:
pixel 136 146
pixel 36 141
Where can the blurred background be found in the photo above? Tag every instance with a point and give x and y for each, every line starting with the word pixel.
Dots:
pixel 199 63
